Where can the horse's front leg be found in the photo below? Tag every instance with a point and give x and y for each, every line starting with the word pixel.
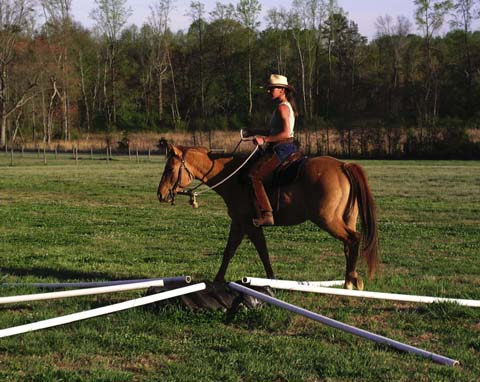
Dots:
pixel 257 237
pixel 235 237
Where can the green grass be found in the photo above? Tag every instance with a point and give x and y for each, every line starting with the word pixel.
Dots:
pixel 98 221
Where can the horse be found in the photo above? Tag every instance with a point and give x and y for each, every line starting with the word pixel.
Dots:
pixel 330 193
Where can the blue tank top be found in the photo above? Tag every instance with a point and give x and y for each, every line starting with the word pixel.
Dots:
pixel 276 124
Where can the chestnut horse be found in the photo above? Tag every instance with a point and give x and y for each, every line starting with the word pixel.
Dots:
pixel 330 193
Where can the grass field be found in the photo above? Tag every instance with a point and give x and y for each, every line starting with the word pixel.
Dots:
pixel 93 220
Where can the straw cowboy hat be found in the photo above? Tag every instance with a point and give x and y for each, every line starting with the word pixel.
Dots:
pixel 279 81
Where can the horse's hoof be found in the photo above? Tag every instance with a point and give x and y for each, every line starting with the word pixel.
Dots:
pixel 348 285
pixel 356 283
pixel 359 284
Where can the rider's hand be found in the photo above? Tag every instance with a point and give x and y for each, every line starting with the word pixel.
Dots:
pixel 259 140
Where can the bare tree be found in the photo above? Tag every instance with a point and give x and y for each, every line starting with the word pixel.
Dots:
pixel 160 58
pixel 57 15
pixel 15 17
pixel 277 20
pixel 223 29
pixel 395 34
pixel 430 16
pixel 111 17
pixel 463 17
pixel 307 19
pixel 330 31
pixel 295 25
pixel 197 12
pixel 247 13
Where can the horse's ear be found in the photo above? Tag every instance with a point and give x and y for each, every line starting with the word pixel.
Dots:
pixel 174 150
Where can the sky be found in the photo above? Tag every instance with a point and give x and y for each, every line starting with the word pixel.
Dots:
pixel 363 12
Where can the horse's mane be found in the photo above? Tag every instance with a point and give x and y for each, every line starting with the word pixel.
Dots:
pixel 233 159
pixel 215 155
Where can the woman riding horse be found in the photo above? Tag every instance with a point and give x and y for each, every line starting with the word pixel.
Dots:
pixel 279 145
pixel 330 193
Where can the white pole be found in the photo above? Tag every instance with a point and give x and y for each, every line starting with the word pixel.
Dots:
pixel 347 328
pixel 80 292
pixel 287 284
pixel 166 280
pixel 355 293
pixel 100 311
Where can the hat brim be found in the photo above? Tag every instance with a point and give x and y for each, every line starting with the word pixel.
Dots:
pixel 289 87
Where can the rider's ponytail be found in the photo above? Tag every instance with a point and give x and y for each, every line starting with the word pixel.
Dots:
pixel 291 100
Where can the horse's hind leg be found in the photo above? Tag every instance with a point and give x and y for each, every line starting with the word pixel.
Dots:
pixel 351 244
pixel 351 249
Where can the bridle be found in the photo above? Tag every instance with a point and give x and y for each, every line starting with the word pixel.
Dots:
pixel 172 192
pixel 191 192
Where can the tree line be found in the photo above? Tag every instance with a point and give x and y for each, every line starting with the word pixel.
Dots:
pixel 403 93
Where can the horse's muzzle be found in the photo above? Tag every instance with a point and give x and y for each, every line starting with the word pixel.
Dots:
pixel 169 197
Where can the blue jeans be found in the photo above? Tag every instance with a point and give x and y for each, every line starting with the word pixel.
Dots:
pixel 284 150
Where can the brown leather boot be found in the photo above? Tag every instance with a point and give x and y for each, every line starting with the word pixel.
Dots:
pixel 258 174
pixel 265 219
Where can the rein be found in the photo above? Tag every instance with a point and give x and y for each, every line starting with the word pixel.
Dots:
pixel 191 192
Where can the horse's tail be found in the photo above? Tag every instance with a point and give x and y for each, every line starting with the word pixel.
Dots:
pixel 367 211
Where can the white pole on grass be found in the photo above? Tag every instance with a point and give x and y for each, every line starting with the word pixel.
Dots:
pixel 346 328
pixel 80 292
pixel 167 281
pixel 298 286
pixel 287 284
pixel 101 311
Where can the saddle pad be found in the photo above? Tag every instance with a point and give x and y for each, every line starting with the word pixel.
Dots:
pixel 288 171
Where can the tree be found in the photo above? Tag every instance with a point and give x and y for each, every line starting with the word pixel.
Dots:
pixel 197 11
pixel 392 42
pixel 160 56
pixel 344 53
pixel 15 17
pixel 111 16
pixel 224 35
pixel 247 13
pixel 308 17
pixel 57 15
pixel 277 20
pixel 430 16
pixel 83 78
pixel 332 28
pixel 463 16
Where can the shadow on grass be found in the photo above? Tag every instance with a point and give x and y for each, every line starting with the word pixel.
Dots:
pixel 62 274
